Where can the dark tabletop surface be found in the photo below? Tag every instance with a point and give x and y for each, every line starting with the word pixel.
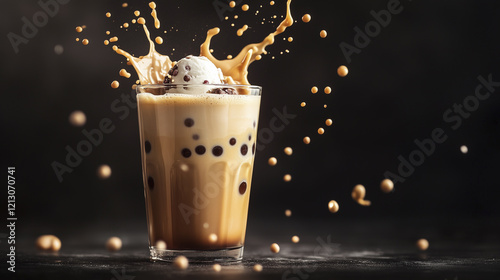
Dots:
pixel 327 250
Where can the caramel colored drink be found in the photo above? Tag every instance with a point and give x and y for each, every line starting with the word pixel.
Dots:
pixel 198 151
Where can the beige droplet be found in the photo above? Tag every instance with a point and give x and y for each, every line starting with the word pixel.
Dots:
pixel 321 131
pixel 152 5
pixel 79 29
pixel 232 4
pixel 48 243
pixel 324 106
pixel 287 178
pixel 306 18
pixel 115 48
pixel 342 71
pixel 235 16
pixel 271 3
pixel 212 238
pixel 328 90
pixel 258 57
pixel 126 25
pixel 241 30
pixel 106 42
pixel 124 73
pixel 288 151
pixel 217 267
pixel 124 5
pixel 275 248
pixel 181 262
pixel 104 171
pixel 333 206
pixel 77 118
pixel 141 20
pixel 290 39
pixel 358 194
pixel 107 32
pixel 137 13
pixel 306 140
pixel 229 56
pixel 257 268
pixel 295 239
pixel 272 161
pixel 113 39
pixel 464 149
pixel 77 39
pixel 159 40
pixel 288 212
pixel 328 122
pixel 314 90
pixel 161 245
pixel 386 185
pixel 323 34
pixel 115 84
pixel 422 244
pixel 134 21
pixel 114 244
pixel 211 50
pixel 108 14
pixel 85 42
pixel 303 104
pixel 245 7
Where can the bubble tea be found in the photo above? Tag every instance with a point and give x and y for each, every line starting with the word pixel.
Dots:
pixel 198 144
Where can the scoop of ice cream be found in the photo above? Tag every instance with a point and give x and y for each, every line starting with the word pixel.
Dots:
pixel 196 70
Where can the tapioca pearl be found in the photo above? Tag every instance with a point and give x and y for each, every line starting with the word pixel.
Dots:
pixel 217 151
pixel 275 248
pixel 196 137
pixel 189 122
pixel 254 123
pixel 250 137
pixel 253 149
pixel 243 187
pixel 186 152
pixel 187 78
pixel 244 149
pixel 151 183
pixel 187 67
pixel 200 150
pixel 272 161
pixel 147 147
pixel 232 141
pixel 287 178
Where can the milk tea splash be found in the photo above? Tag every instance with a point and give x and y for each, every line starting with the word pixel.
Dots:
pixel 153 67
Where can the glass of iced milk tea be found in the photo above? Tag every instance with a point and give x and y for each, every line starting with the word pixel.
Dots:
pixel 198 145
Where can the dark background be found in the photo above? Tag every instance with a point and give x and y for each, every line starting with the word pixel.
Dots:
pixel 398 88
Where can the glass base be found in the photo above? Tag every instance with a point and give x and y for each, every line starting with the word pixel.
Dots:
pixel 234 254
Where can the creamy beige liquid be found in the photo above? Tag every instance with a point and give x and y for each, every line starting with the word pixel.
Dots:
pixel 197 157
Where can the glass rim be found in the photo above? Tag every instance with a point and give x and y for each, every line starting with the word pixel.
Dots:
pixel 153 86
